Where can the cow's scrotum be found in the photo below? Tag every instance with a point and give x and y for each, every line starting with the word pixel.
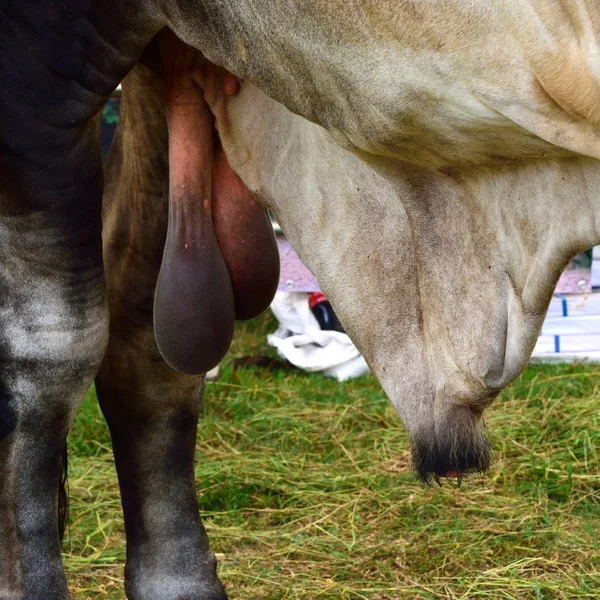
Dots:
pixel 220 261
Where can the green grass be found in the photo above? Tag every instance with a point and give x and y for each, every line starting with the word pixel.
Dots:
pixel 306 490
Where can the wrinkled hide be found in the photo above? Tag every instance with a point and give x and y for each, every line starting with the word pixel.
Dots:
pixel 447 290
pixel 435 200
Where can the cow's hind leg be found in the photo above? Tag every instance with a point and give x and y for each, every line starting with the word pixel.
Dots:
pixel 152 411
pixel 53 332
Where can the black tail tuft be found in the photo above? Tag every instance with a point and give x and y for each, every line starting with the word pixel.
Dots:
pixel 63 495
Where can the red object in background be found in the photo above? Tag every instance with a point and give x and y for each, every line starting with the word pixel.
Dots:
pixel 321 308
pixel 315 298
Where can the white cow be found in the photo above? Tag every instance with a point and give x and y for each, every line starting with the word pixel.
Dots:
pixel 452 175
pixel 426 158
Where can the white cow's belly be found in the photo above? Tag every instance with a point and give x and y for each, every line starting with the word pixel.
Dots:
pixel 436 110
pixel 437 83
pixel 426 117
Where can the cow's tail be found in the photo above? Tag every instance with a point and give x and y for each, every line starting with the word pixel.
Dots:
pixel 63 495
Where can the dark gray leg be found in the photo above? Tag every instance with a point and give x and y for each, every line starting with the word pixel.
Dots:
pixel 153 418
pixel 152 411
pixel 53 332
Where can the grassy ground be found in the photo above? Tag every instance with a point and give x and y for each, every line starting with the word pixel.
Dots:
pixel 306 490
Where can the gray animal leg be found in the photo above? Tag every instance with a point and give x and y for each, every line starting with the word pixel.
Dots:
pixel 53 332
pixel 152 411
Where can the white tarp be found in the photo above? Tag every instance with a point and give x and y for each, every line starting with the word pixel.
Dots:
pixel 301 341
